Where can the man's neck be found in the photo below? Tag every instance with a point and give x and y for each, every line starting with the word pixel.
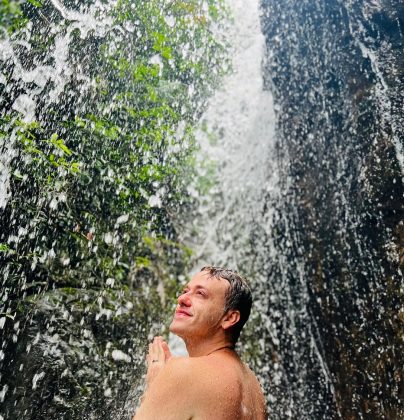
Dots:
pixel 198 348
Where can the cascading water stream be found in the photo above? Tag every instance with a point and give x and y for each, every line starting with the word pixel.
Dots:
pixel 299 187
pixel 236 155
pixel 236 141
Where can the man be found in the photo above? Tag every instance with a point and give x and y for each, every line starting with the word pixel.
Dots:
pixel 212 383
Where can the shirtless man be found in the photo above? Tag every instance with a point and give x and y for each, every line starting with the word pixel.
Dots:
pixel 212 383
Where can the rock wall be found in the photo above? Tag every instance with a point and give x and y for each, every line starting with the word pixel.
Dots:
pixel 335 69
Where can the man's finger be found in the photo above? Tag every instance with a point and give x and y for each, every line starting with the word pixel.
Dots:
pixel 166 349
pixel 153 351
pixel 161 349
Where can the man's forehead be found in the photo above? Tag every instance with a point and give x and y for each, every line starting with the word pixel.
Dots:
pixel 204 279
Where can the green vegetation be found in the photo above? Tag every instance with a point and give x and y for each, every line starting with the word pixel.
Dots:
pixel 98 176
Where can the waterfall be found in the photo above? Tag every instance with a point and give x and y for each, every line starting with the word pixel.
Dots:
pixel 241 224
pixel 236 143
pixel 307 201
pixel 140 141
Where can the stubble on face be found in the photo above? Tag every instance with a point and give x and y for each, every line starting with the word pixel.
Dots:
pixel 200 307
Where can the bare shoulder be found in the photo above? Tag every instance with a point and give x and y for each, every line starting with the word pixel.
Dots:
pixel 252 376
pixel 177 370
pixel 204 387
pixel 198 384
pixel 256 394
pixel 170 393
pixel 215 375
pixel 203 368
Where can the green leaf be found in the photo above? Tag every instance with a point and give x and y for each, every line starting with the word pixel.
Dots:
pixel 35 3
pixel 59 143
pixel 4 248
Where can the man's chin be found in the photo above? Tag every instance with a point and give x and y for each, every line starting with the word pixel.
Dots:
pixel 173 328
pixel 176 329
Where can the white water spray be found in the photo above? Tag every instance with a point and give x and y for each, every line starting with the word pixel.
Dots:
pixel 241 120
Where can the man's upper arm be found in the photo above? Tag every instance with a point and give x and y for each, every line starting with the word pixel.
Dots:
pixel 171 395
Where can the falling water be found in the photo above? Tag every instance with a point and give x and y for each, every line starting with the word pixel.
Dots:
pixel 237 155
pixel 236 220
pixel 309 204
pixel 237 149
pixel 293 177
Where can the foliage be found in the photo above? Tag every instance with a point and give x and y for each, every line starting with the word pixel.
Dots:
pixel 98 171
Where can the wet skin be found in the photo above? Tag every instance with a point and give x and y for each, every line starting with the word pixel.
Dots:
pixel 211 384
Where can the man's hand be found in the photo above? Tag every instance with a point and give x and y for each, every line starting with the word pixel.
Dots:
pixel 159 354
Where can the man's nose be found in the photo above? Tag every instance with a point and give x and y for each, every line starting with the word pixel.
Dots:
pixel 184 300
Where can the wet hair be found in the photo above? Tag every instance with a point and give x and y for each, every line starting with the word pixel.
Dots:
pixel 238 296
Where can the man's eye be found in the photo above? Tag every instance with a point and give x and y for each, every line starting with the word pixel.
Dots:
pixel 201 293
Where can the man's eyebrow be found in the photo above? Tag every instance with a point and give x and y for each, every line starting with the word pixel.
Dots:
pixel 198 286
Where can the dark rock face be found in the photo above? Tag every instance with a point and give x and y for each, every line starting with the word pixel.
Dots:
pixel 336 71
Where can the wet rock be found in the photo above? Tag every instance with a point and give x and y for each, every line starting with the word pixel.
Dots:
pixel 335 71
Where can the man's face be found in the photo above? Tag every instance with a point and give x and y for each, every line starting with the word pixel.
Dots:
pixel 200 307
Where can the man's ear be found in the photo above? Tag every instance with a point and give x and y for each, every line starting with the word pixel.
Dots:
pixel 231 318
